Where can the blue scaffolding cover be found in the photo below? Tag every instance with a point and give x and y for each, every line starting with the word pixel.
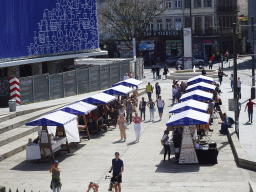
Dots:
pixel 196 95
pixel 101 98
pixel 118 90
pixel 129 83
pixel 198 79
pixel 201 86
pixel 56 118
pixel 189 117
pixel 79 108
pixel 189 104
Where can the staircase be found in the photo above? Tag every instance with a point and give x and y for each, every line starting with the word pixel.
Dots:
pixel 14 134
pixel 187 74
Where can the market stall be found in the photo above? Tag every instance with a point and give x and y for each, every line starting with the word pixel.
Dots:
pixel 81 109
pixel 58 130
pixel 201 86
pixel 118 90
pixel 197 95
pixel 129 83
pixel 189 104
pixel 200 78
pixel 100 98
pixel 194 149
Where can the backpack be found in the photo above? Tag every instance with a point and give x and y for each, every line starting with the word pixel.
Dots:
pixel 231 120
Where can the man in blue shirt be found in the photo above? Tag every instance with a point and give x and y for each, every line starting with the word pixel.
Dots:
pixel 118 168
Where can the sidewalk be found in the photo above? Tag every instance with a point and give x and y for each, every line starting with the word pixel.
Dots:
pixel 144 169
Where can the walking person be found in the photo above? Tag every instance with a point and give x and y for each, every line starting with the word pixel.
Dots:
pixel 153 71
pixel 149 89
pixel 160 105
pixel 250 109
pixel 121 121
pixel 137 126
pixel 203 71
pixel 165 71
pixel 239 83
pixel 226 56
pixel 173 93
pixel 232 82
pixel 118 169
pixel 211 62
pixel 126 76
pixel 220 75
pixel 142 107
pixel 151 106
pixel 55 171
pixel 129 111
pixel 165 140
pixel 158 71
pixel 158 90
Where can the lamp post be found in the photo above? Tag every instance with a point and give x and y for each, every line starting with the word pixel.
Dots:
pixel 253 74
pixel 221 42
pixel 235 78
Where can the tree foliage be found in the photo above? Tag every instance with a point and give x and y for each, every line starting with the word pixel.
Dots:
pixel 128 18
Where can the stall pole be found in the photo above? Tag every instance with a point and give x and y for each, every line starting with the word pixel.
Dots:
pixel 86 128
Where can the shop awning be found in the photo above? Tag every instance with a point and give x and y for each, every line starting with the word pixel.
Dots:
pixel 201 86
pixel 196 95
pixel 56 118
pixel 79 108
pixel 101 98
pixel 189 117
pixel 198 79
pixel 129 83
pixel 118 90
pixel 189 104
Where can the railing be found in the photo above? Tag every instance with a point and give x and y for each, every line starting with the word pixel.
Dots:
pixel 230 8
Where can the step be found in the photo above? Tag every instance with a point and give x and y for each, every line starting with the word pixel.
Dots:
pixel 15 147
pixel 17 133
pixel 7 116
pixel 23 119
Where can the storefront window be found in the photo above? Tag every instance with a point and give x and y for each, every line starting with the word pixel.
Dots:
pixel 168 4
pixel 207 3
pixel 198 24
pixel 177 3
pixel 168 23
pixel 197 3
pixel 187 3
pixel 208 22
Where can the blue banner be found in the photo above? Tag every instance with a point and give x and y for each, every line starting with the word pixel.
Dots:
pixel 47 27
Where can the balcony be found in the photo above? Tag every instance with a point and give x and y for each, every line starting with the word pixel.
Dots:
pixel 207 32
pixel 227 9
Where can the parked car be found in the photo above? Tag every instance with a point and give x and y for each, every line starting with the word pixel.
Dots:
pixel 172 60
pixel 195 61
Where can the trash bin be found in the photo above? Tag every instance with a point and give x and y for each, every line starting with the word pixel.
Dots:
pixel 12 105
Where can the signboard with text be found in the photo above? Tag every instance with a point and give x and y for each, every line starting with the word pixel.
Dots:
pixel 187 42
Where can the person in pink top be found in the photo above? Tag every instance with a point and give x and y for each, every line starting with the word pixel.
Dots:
pixel 137 126
pixel 250 109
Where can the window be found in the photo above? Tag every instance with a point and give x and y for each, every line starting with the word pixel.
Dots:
pixel 197 3
pixel 150 27
pixel 187 22
pixel 168 4
pixel 208 22
pixel 159 25
pixel 187 3
pixel 168 25
pixel 178 24
pixel 198 23
pixel 207 3
pixel 177 3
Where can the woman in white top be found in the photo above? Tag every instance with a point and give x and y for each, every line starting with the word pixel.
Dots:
pixel 173 93
pixel 126 76
pixel 160 105
pixel 167 148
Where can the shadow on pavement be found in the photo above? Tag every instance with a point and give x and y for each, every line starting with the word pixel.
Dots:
pixel 247 123
pixel 131 143
pixel 119 141
pixel 45 165
pixel 224 144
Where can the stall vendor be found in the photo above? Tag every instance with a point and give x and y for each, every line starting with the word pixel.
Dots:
pixel 60 132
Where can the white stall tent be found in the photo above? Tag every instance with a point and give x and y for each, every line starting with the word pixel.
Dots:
pixel 196 95
pixel 129 83
pixel 119 90
pixel 101 98
pixel 189 117
pixel 199 78
pixel 201 86
pixel 79 108
pixel 189 104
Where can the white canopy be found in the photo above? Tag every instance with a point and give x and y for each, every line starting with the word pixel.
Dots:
pixel 189 117
pixel 196 95
pixel 101 98
pixel 79 108
pixel 200 78
pixel 59 118
pixel 201 86
pixel 129 83
pixel 118 90
pixel 189 104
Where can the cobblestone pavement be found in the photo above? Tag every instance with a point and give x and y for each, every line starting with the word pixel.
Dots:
pixel 144 168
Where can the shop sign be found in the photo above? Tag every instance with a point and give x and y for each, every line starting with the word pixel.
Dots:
pixel 207 41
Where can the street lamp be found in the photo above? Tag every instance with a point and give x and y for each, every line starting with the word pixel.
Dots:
pixel 253 74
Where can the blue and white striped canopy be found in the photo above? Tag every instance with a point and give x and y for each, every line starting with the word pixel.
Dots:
pixel 129 83
pixel 196 95
pixel 101 98
pixel 198 79
pixel 118 90
pixel 189 104
pixel 201 86
pixel 79 108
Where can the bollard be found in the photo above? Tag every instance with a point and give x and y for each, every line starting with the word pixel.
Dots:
pixel 12 105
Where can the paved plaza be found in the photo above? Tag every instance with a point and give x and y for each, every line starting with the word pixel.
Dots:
pixel 144 168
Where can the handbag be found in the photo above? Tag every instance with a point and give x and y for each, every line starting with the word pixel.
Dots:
pixel 125 125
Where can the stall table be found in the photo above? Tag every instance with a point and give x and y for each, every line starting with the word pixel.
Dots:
pixel 207 156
